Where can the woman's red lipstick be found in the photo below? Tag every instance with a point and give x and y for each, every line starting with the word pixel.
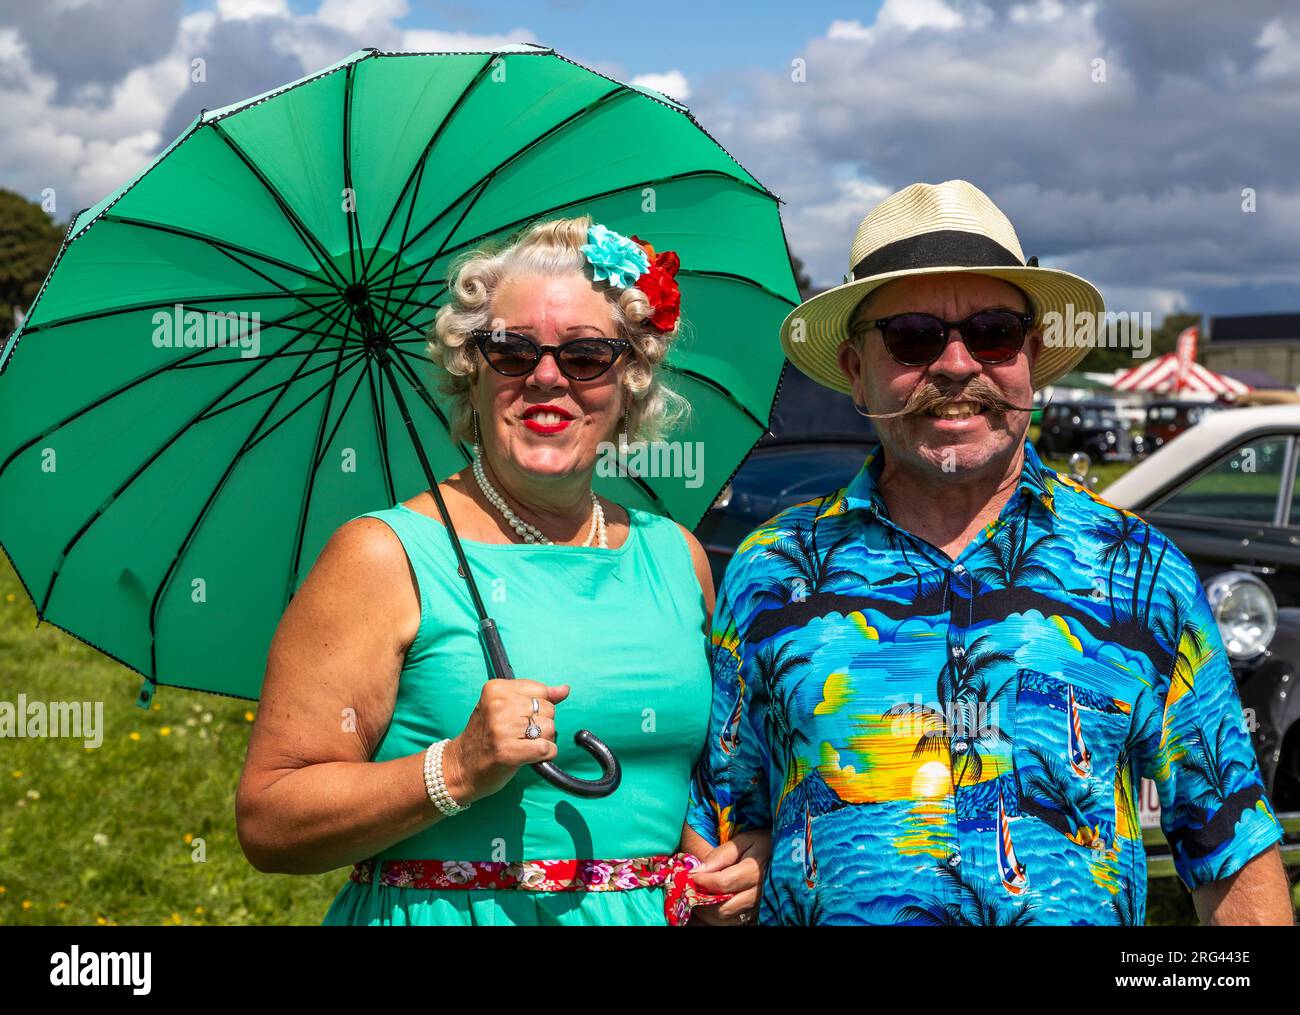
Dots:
pixel 555 426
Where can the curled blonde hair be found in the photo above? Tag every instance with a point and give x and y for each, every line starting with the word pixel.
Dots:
pixel 550 249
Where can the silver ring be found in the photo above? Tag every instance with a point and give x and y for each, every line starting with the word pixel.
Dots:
pixel 744 918
pixel 536 707
pixel 533 732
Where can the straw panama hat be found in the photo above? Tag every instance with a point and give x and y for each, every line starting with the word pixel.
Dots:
pixel 927 229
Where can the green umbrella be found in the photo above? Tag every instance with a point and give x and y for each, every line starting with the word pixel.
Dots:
pixel 171 465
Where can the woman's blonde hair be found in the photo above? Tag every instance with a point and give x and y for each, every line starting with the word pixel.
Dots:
pixel 549 249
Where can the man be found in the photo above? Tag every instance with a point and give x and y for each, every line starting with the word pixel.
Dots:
pixel 940 685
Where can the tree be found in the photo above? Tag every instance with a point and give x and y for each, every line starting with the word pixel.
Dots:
pixel 801 277
pixel 28 243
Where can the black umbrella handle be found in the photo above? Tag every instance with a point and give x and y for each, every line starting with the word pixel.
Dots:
pixel 611 773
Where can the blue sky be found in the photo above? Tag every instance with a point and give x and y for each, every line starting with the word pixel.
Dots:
pixel 698 37
pixel 1135 179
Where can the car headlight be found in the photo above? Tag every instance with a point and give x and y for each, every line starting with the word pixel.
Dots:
pixel 1245 611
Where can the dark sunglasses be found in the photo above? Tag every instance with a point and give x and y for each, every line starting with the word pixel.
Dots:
pixel 917 340
pixel 583 359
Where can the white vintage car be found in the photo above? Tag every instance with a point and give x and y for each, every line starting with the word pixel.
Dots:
pixel 1225 491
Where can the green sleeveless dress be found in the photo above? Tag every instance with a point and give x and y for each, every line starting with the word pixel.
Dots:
pixel 622 627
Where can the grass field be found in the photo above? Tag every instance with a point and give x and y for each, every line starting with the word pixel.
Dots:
pixel 114 835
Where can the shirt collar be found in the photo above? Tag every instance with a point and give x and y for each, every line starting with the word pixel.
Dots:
pixel 863 491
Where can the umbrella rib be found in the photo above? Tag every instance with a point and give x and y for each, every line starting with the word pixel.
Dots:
pixel 194 527
pixel 381 436
pixel 711 383
pixel 310 240
pixel 418 168
pixel 420 281
pixel 354 226
pixel 406 321
pixel 128 385
pixel 296 377
pixel 245 360
pixel 274 387
pixel 304 403
pixel 160 304
pixel 342 415
pixel 658 181
pixel 414 383
pixel 731 276
pixel 317 456
pixel 221 245
pixel 103 507
pixel 546 134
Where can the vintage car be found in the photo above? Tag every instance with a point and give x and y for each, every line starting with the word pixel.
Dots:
pixel 1166 420
pixel 1092 427
pixel 1226 493
pixel 816 444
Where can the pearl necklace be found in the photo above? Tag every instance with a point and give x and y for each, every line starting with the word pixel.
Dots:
pixel 531 533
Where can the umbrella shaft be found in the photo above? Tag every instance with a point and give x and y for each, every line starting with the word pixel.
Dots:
pixel 465 571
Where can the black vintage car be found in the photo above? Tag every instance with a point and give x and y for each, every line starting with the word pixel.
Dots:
pixel 816 444
pixel 1092 427
pixel 1166 420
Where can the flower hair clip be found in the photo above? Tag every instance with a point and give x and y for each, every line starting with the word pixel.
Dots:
pixel 624 262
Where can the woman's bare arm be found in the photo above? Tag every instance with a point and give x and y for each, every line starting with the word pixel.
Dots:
pixel 310 800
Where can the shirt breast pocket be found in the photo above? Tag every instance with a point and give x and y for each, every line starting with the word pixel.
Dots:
pixel 1070 747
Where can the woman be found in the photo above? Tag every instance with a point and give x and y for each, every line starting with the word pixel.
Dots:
pixel 380 744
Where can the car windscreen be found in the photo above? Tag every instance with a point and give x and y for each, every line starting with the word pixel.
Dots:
pixel 1095 419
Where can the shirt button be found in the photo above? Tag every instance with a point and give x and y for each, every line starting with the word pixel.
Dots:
pixel 960 747
pixel 958 651
pixel 958 569
pixel 954 860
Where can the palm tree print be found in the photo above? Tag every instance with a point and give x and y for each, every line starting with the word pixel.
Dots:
pixel 1012 563
pixel 1053 788
pixel 808 571
pixel 772 669
pixel 1186 641
pixel 966 698
pixel 1116 537
pixel 1213 763
pixel 975 906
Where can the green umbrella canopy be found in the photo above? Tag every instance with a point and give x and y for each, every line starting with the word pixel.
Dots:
pixel 165 486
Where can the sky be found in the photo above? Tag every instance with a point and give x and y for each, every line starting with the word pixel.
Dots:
pixel 1126 141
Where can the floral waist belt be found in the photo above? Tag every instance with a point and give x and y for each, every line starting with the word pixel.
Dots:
pixel 670 871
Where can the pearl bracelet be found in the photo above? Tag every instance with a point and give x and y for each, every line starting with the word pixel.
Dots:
pixel 434 784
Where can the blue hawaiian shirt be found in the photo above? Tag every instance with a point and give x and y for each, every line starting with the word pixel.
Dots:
pixel 938 741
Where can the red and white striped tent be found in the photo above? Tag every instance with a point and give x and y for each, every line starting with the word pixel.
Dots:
pixel 1178 372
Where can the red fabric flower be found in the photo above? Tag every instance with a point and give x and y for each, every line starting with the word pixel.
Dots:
pixel 660 286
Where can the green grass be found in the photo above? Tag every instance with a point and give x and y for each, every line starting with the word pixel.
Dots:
pixel 1106 472
pixel 108 835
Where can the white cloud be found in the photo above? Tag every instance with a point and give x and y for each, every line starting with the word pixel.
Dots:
pixel 236 10
pixel 426 40
pixel 88 143
pixel 672 83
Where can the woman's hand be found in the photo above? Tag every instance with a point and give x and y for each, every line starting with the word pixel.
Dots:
pixel 492 747
pixel 736 867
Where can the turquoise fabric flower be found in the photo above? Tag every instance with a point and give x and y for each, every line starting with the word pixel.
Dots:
pixel 614 258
